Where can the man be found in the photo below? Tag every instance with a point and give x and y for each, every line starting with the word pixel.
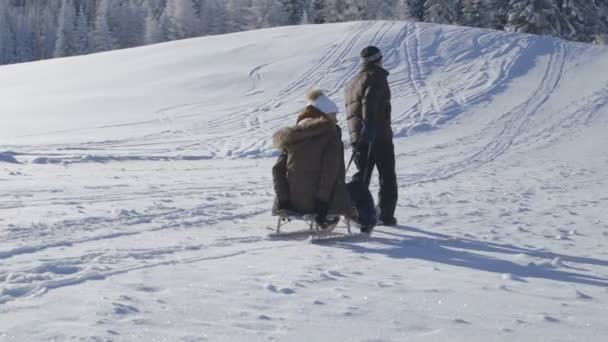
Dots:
pixel 368 110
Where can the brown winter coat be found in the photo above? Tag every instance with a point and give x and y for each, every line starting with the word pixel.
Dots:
pixel 368 96
pixel 311 166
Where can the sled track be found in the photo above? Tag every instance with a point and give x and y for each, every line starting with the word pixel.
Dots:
pixel 96 242
pixel 579 113
pixel 251 119
pixel 513 124
pixel 256 119
pixel 411 49
pixel 54 274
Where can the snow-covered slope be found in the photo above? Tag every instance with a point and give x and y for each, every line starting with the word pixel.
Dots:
pixel 136 186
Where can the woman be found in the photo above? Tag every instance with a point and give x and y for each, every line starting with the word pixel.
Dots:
pixel 309 174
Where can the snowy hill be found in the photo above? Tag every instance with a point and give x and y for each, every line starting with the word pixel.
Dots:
pixel 136 188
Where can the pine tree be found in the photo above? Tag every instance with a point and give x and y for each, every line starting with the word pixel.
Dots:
pixel 293 10
pixel 153 31
pixel 497 11
pixel 402 10
pixel 319 12
pixel 180 19
pixel 440 11
pixel 601 36
pixel 217 20
pixel 540 17
pixel 385 12
pixel 64 45
pixel 25 35
pixel 584 16
pixel 6 38
pixel 356 10
pixel 46 18
pixel 102 36
pixel 305 20
pixel 336 10
pixel 416 9
pixel 240 16
pixel 81 33
pixel 129 23
pixel 269 13
pixel 474 13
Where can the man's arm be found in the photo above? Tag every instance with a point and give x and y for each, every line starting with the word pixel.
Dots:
pixel 371 97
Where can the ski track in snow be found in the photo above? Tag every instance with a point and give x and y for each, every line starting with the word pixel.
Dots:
pixel 491 205
pixel 190 128
pixel 511 124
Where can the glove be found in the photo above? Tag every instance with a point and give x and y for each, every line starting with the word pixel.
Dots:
pixel 321 209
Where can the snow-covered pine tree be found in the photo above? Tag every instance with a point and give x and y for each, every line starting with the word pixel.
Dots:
pixel 240 15
pixel 601 37
pixel 269 13
pixel 357 10
pixel 45 18
pixel 293 10
pixel 497 11
pixel 319 12
pixel 216 19
pixel 129 23
pixel 540 17
pixel 102 36
pixel 401 10
pixel 472 13
pixel 385 11
pixel 585 18
pixel 153 32
pixel 6 36
pixel 81 32
pixel 416 9
pixel 336 10
pixel 305 20
pixel 441 11
pixel 25 30
pixel 181 21
pixel 64 45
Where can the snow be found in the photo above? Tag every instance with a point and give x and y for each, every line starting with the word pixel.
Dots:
pixel 136 192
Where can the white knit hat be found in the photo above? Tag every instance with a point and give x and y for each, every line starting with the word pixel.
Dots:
pixel 323 103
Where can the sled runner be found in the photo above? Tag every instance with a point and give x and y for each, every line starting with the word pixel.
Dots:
pixel 285 217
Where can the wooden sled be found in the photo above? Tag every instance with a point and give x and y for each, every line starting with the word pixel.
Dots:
pixel 285 217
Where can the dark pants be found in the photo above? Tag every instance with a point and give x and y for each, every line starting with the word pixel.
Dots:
pixel 382 156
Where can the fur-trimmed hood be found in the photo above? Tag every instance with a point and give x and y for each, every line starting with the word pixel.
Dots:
pixel 306 129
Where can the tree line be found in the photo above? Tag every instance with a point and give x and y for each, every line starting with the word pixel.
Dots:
pixel 34 30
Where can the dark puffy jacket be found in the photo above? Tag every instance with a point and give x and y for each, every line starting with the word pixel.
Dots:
pixel 311 167
pixel 368 100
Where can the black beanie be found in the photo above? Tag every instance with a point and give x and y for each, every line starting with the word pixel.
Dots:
pixel 371 54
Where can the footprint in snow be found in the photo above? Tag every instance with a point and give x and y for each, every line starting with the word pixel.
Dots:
pixel 580 295
pixel 549 319
pixel 504 288
pixel 145 288
pixel 287 291
pixel 274 289
pixel 383 284
pixel 121 309
pixel 509 276
pixel 461 321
